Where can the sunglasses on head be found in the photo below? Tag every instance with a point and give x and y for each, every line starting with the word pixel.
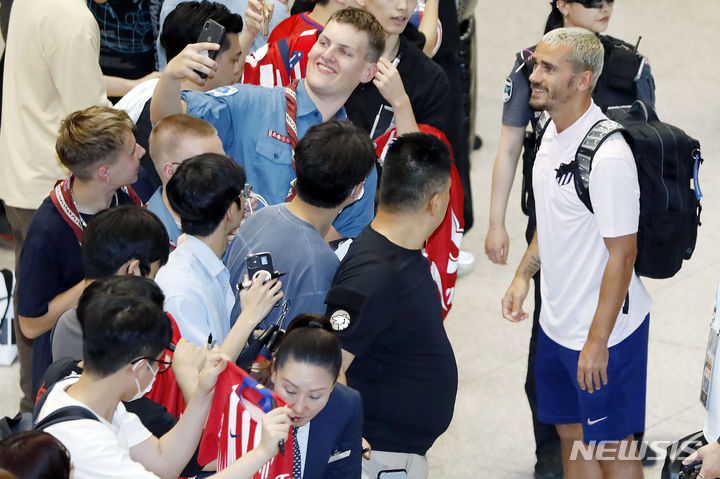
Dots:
pixel 591 3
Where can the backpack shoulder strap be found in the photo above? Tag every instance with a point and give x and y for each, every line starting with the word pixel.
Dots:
pixel 585 154
pixel 40 399
pixel 67 413
pixel 540 126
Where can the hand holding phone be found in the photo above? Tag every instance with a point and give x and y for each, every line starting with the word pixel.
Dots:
pixel 212 32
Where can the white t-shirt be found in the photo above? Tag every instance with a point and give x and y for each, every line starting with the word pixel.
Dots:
pixel 572 252
pixel 98 449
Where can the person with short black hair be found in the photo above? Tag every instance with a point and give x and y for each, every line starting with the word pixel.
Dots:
pixel 98 147
pixel 183 27
pixel 124 337
pixel 118 241
pixel 34 455
pixel 159 409
pixel 386 310
pixel 251 37
pixel 332 161
pixel 186 22
pixel 172 141
pixel 206 192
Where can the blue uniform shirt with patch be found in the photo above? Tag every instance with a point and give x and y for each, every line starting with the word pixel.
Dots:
pixel 250 121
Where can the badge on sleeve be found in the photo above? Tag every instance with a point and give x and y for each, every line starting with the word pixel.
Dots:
pixel 507 93
pixel 345 305
pixel 340 320
pixel 223 91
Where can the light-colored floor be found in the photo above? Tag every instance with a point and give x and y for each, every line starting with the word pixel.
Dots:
pixel 491 435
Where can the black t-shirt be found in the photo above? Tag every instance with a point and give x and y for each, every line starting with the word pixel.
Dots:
pixel 50 264
pixel 404 365
pixel 148 180
pixel 426 84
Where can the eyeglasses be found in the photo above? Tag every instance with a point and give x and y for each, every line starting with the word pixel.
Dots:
pixel 240 201
pixel 592 3
pixel 244 195
pixel 163 364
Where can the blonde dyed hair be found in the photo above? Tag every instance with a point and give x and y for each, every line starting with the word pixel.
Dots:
pixel 588 53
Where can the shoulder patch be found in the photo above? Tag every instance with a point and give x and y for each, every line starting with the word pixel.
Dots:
pixel 507 93
pixel 340 320
pixel 223 91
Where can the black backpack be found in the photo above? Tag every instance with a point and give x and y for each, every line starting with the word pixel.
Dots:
pixel 67 413
pixel 616 86
pixel 27 421
pixel 667 162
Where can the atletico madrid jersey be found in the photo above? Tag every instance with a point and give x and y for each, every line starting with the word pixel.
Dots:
pixel 281 62
pixel 293 26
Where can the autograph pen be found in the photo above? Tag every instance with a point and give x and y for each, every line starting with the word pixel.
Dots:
pixel 396 60
pixel 281 442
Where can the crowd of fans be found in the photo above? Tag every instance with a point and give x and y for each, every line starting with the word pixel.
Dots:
pixel 134 300
pixel 320 139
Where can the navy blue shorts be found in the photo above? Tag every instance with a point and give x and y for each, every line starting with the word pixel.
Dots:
pixel 610 414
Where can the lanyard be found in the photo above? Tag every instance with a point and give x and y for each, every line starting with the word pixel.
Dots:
pixel 64 202
pixel 291 127
pixel 291 114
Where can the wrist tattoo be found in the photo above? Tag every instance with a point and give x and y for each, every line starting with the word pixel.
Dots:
pixel 532 265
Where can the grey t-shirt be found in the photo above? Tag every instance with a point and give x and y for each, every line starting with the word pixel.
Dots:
pixel 297 249
pixel 67 337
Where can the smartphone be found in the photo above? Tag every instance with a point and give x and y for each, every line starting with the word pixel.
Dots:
pixel 258 262
pixel 393 474
pixel 211 32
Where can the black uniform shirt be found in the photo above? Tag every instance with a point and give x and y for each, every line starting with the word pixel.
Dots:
pixel 404 366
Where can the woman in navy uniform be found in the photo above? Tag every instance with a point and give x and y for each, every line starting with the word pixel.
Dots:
pixel 327 415
pixel 626 77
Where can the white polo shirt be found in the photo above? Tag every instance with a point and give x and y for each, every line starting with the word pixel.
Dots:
pixel 572 252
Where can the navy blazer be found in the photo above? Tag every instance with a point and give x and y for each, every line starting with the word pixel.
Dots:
pixel 336 434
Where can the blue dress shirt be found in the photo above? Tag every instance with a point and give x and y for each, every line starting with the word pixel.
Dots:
pixel 197 292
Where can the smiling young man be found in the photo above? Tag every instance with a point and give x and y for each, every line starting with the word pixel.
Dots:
pixel 97 145
pixel 592 345
pixel 259 127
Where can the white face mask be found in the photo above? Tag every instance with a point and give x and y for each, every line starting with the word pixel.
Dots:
pixel 362 193
pixel 140 393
